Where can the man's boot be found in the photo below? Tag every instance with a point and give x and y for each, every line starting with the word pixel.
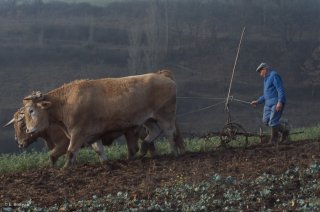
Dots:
pixel 274 135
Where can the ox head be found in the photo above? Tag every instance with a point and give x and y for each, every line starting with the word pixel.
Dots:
pixel 35 113
pixel 23 139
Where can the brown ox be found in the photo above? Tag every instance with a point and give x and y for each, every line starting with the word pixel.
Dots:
pixel 88 109
pixel 57 142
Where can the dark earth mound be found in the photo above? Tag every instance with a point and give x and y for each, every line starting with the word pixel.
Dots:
pixel 139 178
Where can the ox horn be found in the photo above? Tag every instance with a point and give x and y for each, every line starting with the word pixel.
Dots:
pixel 21 117
pixel 21 114
pixel 34 95
pixel 10 122
pixel 21 110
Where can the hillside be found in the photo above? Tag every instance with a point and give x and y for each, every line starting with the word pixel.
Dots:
pixel 47 43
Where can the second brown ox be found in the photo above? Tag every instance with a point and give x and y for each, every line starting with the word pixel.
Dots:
pixel 57 142
pixel 88 109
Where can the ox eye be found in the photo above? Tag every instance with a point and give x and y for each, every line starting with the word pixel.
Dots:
pixel 31 111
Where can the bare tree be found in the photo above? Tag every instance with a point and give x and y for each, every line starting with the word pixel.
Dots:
pixel 312 69
pixel 135 61
pixel 156 35
pixel 91 28
pixel 149 41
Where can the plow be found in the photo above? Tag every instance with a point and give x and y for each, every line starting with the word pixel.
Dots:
pixel 233 131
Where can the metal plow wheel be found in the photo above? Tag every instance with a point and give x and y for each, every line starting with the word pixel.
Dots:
pixel 233 132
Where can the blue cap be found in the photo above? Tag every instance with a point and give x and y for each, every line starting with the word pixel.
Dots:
pixel 261 66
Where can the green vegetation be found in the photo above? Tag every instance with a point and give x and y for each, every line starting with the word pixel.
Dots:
pixel 22 162
pixel 305 133
pixel 29 161
pixel 10 163
pixel 216 194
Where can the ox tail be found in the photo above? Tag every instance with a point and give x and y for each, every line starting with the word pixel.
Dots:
pixel 166 73
pixel 179 142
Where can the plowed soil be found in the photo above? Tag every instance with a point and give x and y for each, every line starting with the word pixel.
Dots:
pixel 49 186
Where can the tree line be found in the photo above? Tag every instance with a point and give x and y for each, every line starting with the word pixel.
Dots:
pixel 198 38
pixel 150 31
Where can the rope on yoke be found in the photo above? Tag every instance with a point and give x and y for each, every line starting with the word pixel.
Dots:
pixel 201 109
pixel 210 106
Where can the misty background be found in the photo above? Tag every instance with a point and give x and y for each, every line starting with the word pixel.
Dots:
pixel 45 44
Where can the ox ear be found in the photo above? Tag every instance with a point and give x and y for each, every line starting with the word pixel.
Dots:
pixel 44 104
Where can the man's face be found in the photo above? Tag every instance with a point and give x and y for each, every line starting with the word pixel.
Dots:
pixel 263 72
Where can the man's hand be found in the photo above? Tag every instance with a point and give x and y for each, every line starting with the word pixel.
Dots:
pixel 279 106
pixel 254 103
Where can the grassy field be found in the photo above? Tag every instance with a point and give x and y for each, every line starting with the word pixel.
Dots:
pixel 263 180
pixel 10 163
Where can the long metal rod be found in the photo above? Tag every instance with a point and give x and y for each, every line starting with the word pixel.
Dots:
pixel 234 67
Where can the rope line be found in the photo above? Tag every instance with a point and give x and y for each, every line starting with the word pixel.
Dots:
pixel 242 101
pixel 201 109
pixel 199 97
pixel 231 98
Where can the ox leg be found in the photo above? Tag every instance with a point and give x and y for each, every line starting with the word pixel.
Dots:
pixel 170 135
pixel 70 158
pixel 178 140
pixel 148 143
pixel 166 117
pixel 75 144
pixel 132 138
pixel 169 130
pixel 145 147
pixel 57 152
pixel 99 149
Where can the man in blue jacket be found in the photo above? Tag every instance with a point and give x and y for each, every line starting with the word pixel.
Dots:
pixel 274 99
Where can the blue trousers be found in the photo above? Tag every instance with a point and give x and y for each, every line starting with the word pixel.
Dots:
pixel 271 117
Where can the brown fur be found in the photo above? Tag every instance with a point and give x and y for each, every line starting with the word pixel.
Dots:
pixel 57 142
pixel 88 109
pixel 166 73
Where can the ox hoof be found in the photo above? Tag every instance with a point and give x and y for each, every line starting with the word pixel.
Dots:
pixel 107 166
pixel 132 157
pixel 142 154
pixel 52 162
pixel 175 154
pixel 103 162
pixel 67 165
pixel 182 150
pixel 154 154
pixel 144 148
